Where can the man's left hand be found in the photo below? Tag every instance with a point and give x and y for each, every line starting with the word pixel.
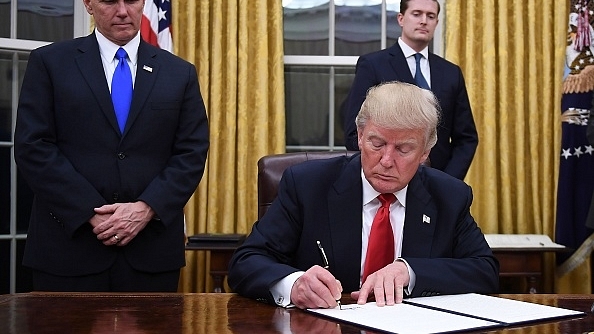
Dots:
pixel 386 285
pixel 125 222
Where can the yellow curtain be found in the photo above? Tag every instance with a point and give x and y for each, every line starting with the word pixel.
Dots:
pixel 237 48
pixel 512 55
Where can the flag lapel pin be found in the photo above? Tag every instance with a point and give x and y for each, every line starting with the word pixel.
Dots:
pixel 147 68
pixel 426 219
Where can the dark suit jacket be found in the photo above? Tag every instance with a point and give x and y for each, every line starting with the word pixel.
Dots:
pixel 70 150
pixel 322 200
pixel 457 138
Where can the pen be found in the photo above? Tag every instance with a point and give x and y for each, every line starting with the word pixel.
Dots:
pixel 326 265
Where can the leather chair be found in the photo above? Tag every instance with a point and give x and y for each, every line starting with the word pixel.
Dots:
pixel 271 168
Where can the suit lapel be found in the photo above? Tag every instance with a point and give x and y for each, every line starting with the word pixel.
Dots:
pixel 91 68
pixel 147 70
pixel 399 64
pixel 420 220
pixel 346 229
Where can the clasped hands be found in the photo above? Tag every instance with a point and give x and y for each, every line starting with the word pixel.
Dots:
pixel 117 224
pixel 318 288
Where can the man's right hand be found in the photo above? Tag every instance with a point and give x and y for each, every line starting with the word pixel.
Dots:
pixel 316 288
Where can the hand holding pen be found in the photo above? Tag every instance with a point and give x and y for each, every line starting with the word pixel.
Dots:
pixel 326 265
pixel 316 288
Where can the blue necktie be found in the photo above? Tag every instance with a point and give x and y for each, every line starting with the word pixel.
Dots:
pixel 419 78
pixel 121 89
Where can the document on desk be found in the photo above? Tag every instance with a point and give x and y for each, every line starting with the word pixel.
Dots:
pixel 443 314
pixel 524 241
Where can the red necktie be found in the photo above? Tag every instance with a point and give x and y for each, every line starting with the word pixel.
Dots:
pixel 380 248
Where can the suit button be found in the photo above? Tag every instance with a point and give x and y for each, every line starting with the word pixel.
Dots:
pixel 121 156
pixel 115 196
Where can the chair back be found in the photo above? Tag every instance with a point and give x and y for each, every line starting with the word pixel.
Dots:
pixel 271 168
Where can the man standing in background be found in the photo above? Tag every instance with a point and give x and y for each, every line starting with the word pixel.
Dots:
pixel 409 61
pixel 112 137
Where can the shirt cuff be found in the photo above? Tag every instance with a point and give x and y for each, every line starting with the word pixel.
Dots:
pixel 281 290
pixel 413 278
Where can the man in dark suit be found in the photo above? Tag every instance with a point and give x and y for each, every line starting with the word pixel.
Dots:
pixel 109 195
pixel 435 247
pixel 457 138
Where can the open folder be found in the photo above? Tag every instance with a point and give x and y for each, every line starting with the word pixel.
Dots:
pixel 443 314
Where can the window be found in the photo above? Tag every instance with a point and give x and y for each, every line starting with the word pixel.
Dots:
pixel 24 26
pixel 322 42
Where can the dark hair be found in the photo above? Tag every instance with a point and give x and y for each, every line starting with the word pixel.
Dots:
pixel 404 6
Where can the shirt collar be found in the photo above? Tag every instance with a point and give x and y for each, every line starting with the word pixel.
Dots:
pixel 108 48
pixel 369 194
pixel 409 52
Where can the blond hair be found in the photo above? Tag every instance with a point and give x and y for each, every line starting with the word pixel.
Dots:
pixel 399 106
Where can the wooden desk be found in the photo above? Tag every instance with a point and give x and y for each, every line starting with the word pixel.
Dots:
pixel 214 313
pixel 526 263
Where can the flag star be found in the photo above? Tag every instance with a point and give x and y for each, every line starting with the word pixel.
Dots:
pixel 581 61
pixel 162 14
pixel 566 154
pixel 578 151
pixel 577 67
pixel 589 149
pixel 587 52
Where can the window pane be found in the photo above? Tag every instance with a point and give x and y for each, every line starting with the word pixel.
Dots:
pixel 393 29
pixel 306 30
pixel 343 79
pixel 358 29
pixel 24 282
pixel 47 21
pixel 5 19
pixel 4 190
pixel 307 104
pixel 5 96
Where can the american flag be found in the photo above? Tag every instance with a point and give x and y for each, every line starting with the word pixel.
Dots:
pixel 576 180
pixel 155 27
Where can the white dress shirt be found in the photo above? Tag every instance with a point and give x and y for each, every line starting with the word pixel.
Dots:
pixel 108 50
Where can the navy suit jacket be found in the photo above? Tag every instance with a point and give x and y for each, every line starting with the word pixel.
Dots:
pixel 322 200
pixel 70 150
pixel 457 137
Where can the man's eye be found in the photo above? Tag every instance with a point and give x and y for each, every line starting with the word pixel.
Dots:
pixel 377 144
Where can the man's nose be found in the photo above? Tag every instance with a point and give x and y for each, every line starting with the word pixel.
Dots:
pixel 387 159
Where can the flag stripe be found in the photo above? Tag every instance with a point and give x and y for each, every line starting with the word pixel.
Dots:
pixel 156 24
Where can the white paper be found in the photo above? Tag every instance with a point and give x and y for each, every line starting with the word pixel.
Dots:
pixel 521 241
pixel 403 318
pixel 473 311
pixel 494 308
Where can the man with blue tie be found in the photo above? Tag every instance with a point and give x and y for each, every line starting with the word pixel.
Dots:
pixel 112 137
pixel 409 60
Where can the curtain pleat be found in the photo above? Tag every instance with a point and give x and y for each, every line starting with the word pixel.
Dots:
pixel 237 49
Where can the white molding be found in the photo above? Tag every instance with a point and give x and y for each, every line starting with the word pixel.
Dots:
pixel 20 44
pixel 321 60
